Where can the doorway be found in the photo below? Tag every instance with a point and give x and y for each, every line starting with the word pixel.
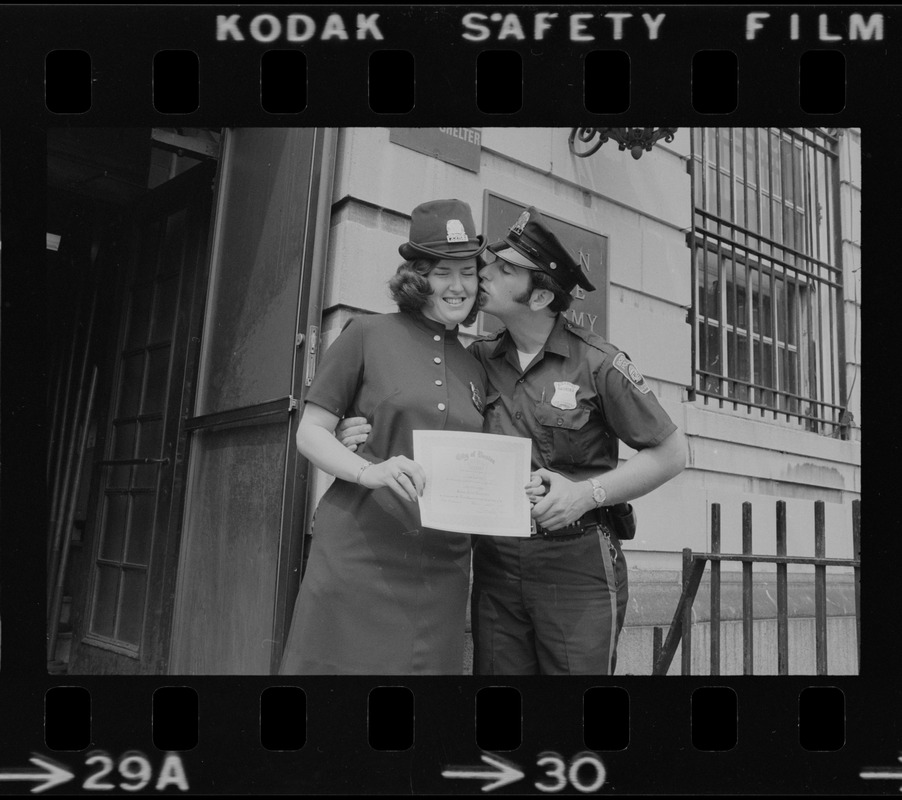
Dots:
pixel 186 313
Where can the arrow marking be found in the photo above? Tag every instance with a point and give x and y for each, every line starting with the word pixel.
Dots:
pixel 503 774
pixel 883 773
pixel 48 774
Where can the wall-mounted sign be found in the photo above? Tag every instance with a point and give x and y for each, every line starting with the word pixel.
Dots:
pixel 459 146
pixel 589 309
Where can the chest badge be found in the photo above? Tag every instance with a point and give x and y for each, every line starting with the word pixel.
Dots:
pixel 564 395
pixel 622 363
pixel 477 398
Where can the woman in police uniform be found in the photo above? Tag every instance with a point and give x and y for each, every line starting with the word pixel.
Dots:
pixel 382 594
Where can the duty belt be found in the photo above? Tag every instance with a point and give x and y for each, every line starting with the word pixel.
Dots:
pixel 574 530
pixel 618 520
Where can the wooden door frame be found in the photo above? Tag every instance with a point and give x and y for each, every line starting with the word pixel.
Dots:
pixel 158 627
pixel 297 497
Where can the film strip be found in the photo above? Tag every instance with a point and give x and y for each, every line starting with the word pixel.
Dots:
pixel 156 670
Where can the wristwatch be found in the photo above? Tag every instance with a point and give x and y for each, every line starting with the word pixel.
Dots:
pixel 599 495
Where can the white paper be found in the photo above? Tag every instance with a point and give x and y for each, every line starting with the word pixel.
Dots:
pixel 475 482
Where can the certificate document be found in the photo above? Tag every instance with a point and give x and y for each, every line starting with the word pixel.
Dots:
pixel 475 482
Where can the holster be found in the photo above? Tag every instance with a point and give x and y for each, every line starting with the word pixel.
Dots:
pixel 622 518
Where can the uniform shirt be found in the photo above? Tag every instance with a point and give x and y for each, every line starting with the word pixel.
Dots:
pixel 578 397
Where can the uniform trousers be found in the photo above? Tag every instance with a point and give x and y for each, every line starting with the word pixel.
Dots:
pixel 545 606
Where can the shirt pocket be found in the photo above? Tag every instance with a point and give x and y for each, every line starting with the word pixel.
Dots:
pixel 562 436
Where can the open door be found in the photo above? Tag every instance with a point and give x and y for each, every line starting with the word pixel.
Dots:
pixel 245 484
pixel 122 618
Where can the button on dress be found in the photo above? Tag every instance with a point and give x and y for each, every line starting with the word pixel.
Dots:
pixel 382 594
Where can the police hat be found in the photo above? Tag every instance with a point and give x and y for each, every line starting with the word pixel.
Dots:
pixel 442 229
pixel 531 244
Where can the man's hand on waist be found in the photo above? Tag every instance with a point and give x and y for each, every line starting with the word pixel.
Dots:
pixel 565 502
pixel 353 431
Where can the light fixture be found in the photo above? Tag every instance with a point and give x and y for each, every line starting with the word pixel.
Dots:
pixel 636 140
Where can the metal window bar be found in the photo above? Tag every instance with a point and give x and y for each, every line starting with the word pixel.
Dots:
pixel 825 370
pixel 697 178
pixel 814 204
pixel 793 350
pixel 776 238
pixel 809 267
pixel 749 328
pixel 817 415
pixel 680 632
pixel 707 142
pixel 799 402
pixel 717 181
pixel 785 248
pixel 749 292
pixel 731 342
pixel 808 406
pixel 835 242
pixel 835 360
pixel 775 352
pixel 745 177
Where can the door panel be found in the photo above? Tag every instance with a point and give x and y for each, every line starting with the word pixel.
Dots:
pixel 249 335
pixel 242 524
pixel 130 532
pixel 227 600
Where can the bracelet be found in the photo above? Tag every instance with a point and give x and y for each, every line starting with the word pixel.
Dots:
pixel 360 471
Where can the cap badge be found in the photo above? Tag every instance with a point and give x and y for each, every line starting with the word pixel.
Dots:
pixel 454 230
pixel 564 395
pixel 520 223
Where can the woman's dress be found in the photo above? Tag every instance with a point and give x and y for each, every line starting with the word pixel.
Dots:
pixel 381 594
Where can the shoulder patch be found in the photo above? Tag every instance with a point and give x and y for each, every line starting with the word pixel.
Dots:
pixel 624 365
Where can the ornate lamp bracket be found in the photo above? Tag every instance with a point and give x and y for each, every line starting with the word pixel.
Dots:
pixel 636 140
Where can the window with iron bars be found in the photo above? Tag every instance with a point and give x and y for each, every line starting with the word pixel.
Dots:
pixel 767 272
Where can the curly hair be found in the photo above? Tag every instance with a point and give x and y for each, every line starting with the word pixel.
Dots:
pixel 410 288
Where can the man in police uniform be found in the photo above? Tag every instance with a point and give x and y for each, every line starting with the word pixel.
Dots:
pixel 554 604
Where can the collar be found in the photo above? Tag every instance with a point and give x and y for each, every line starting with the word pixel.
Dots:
pixel 558 341
pixel 430 325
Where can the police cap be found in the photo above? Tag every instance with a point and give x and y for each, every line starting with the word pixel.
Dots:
pixel 531 244
pixel 442 229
